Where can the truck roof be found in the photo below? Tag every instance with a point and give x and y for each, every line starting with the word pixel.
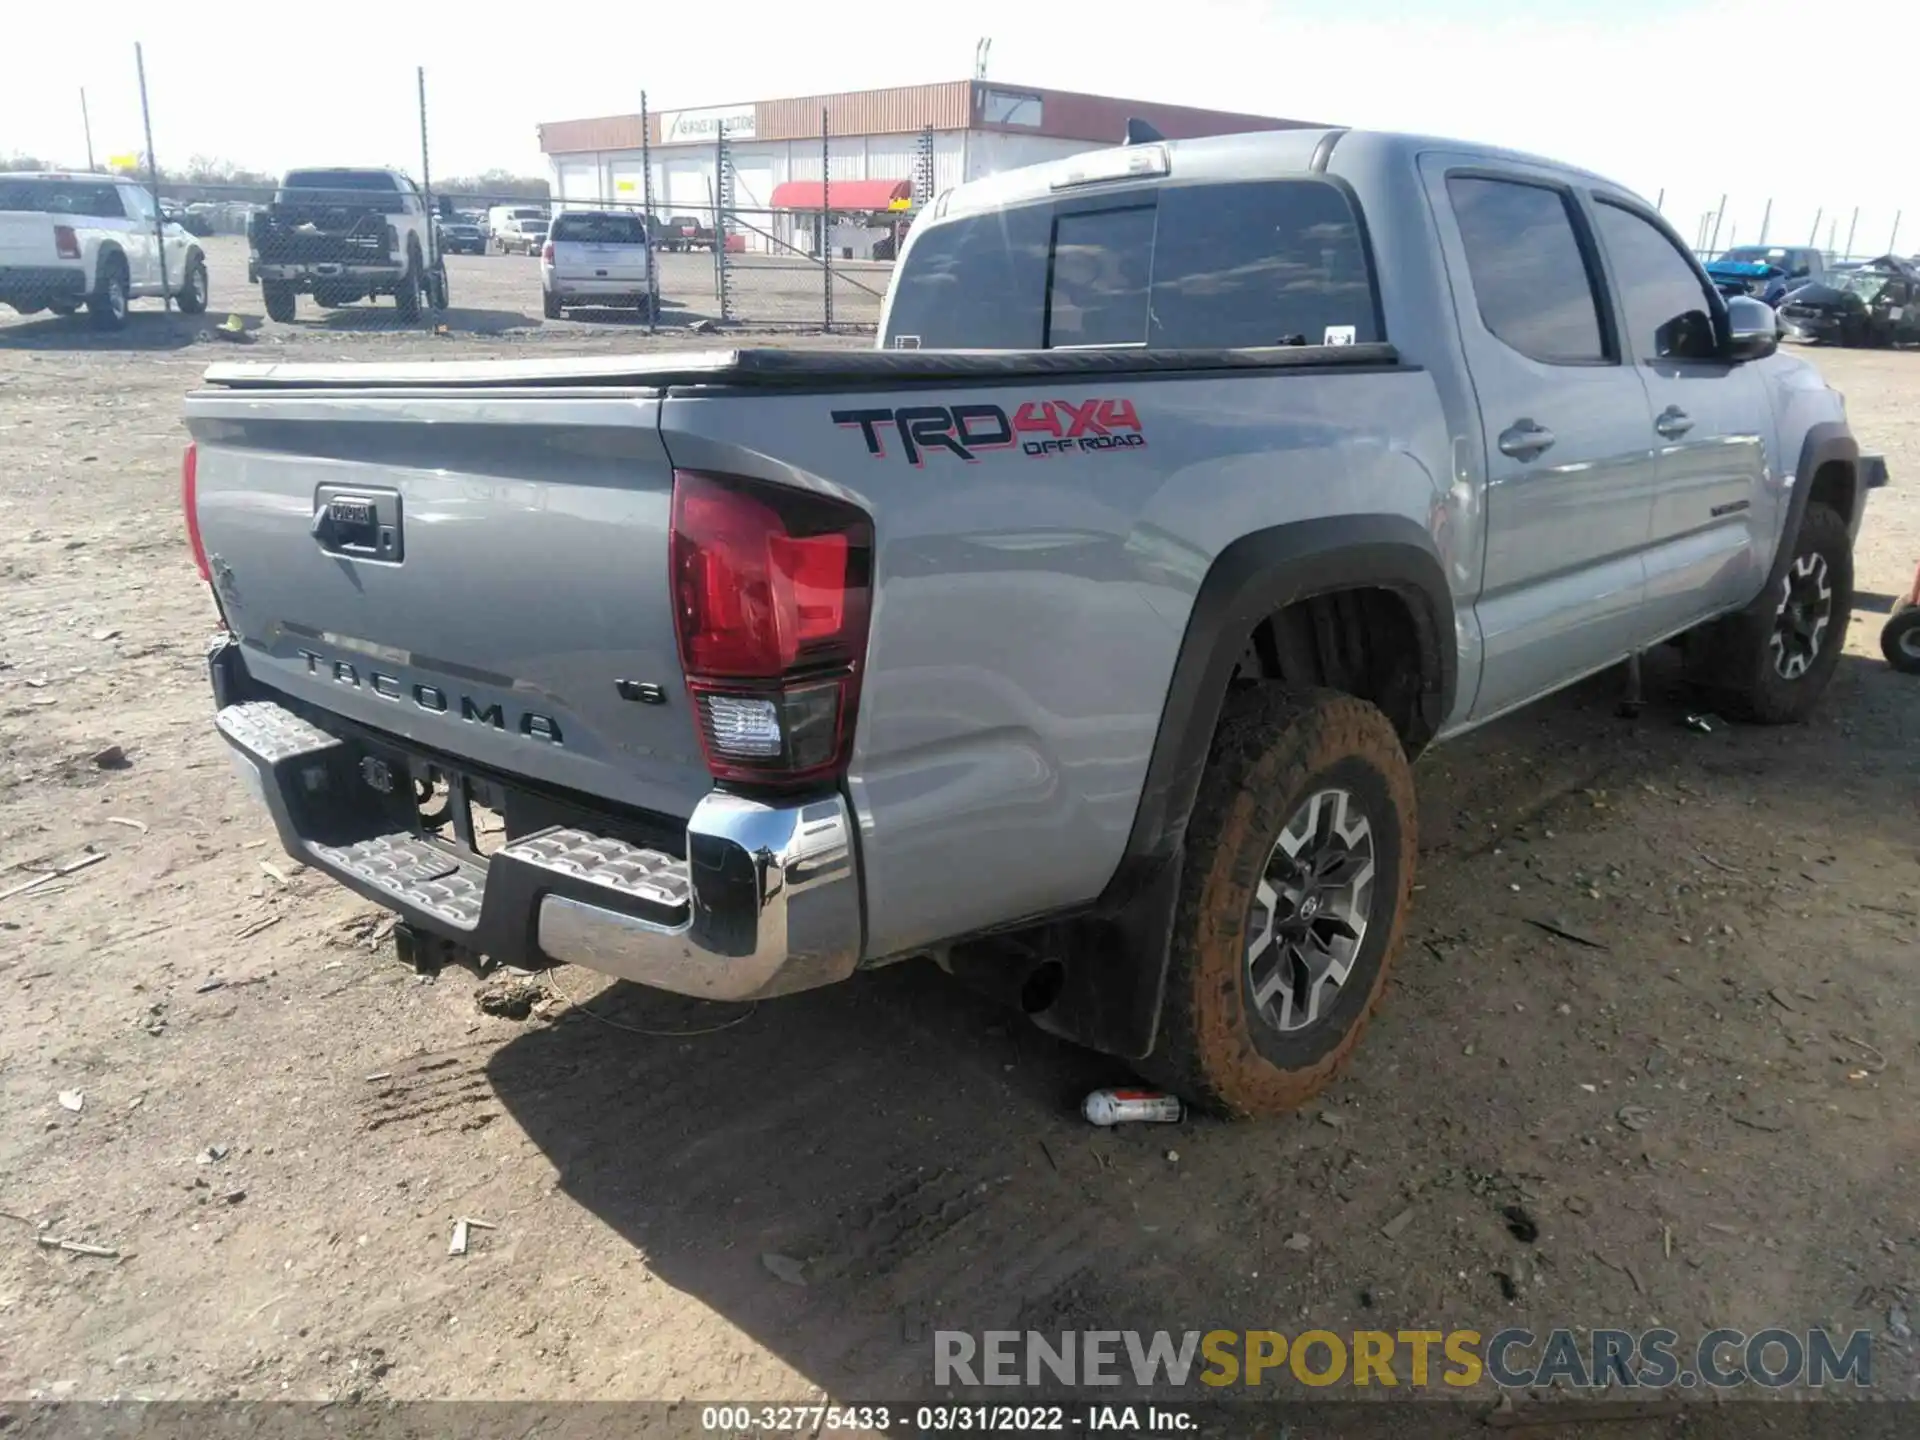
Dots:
pixel 1237 157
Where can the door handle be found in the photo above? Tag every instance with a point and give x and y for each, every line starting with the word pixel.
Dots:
pixel 1524 440
pixel 1673 422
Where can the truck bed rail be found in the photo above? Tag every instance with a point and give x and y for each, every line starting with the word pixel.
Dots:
pixel 788 368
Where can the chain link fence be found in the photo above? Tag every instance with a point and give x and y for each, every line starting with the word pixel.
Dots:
pixel 812 252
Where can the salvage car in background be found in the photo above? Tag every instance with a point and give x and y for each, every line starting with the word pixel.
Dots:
pixel 1766 272
pixel 1876 304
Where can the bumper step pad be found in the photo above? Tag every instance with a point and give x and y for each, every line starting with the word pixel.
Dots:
pixel 414 870
pixel 612 864
pixel 271 733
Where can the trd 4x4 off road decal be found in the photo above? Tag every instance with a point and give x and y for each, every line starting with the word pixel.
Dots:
pixel 1037 427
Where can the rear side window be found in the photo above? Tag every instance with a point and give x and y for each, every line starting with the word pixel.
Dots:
pixel 1191 266
pixel 600 229
pixel 1261 263
pixel 1529 276
pixel 62 197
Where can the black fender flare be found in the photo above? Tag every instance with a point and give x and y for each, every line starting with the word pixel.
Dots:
pixel 1116 953
pixel 110 251
pixel 1828 442
pixel 1257 576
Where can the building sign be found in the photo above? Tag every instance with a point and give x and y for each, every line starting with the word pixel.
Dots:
pixel 693 127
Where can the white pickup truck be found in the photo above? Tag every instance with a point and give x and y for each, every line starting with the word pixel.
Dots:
pixel 73 240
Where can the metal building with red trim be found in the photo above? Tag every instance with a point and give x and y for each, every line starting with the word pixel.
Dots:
pixel 880 151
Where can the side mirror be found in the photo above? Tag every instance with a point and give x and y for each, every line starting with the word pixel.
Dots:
pixel 1754 329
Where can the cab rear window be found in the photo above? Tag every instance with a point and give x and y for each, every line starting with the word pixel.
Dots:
pixel 1233 264
pixel 61 197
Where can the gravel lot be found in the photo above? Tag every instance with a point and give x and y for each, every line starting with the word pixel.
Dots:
pixel 1710 1113
pixel 498 297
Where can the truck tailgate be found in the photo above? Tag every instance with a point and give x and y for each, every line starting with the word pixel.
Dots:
pixel 26 239
pixel 475 572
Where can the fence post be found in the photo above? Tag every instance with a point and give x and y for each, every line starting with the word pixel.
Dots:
pixel 153 182
pixel 722 175
pixel 826 218
pixel 646 201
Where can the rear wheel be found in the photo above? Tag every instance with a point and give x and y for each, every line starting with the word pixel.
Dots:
pixel 279 298
pixel 192 298
pixel 1900 638
pixel 406 296
pixel 1771 663
pixel 1298 873
pixel 108 302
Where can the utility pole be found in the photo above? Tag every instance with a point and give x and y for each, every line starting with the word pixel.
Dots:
pixel 153 182
pixel 1852 225
pixel 86 126
pixel 1766 219
pixel 1718 216
pixel 1813 235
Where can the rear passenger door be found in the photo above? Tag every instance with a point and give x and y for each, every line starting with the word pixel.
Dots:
pixel 1570 462
pixel 1711 429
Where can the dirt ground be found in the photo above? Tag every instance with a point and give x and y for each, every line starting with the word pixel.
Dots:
pixel 1708 1107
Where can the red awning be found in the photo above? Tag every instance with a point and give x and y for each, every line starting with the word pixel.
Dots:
pixel 842 194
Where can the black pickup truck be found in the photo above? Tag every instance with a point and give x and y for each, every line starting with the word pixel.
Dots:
pixel 343 235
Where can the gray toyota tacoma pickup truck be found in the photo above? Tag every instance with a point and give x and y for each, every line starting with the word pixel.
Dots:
pixel 1080 636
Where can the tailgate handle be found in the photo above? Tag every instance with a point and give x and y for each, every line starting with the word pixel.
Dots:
pixel 358 524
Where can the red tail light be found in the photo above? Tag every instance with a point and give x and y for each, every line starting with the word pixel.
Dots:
pixel 546 252
pixel 65 243
pixel 190 502
pixel 771 592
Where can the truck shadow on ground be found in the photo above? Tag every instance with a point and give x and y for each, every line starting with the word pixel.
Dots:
pixel 911 1158
pixel 145 330
pixel 379 319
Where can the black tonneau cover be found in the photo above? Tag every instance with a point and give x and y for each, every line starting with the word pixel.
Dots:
pixel 784 369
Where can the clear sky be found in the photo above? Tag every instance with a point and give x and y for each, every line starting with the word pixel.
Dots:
pixel 1755 98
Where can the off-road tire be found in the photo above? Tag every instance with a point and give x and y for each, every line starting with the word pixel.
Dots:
pixel 108 303
pixel 1273 750
pixel 406 295
pixel 1738 658
pixel 192 298
pixel 1900 638
pixel 550 305
pixel 281 300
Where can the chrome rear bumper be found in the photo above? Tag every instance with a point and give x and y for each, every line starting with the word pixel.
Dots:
pixel 766 900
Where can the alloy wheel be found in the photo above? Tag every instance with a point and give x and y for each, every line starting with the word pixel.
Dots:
pixel 1801 619
pixel 1310 911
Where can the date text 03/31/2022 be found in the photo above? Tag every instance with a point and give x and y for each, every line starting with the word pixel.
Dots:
pixel 940 1419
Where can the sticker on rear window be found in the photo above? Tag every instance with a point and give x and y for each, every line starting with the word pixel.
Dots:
pixel 1339 335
